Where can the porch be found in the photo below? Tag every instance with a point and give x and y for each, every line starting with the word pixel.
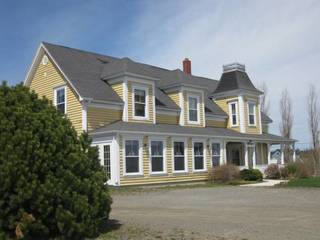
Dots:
pixel 258 155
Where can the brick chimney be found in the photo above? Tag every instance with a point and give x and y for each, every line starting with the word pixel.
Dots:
pixel 187 66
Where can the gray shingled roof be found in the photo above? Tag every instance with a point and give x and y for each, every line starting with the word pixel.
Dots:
pixel 86 70
pixel 265 118
pixel 164 129
pixel 234 80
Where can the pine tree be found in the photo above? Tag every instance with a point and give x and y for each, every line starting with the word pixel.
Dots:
pixel 51 183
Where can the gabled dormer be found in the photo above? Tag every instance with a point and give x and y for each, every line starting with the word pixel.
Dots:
pixel 239 98
pixel 135 85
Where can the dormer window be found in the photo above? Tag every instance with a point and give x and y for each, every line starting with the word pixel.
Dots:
pixel 233 109
pixel 60 99
pixel 193 105
pixel 140 102
pixel 252 113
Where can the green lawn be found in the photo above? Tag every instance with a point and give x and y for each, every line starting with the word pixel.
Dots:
pixel 304 182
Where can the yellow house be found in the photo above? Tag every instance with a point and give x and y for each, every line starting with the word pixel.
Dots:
pixel 154 125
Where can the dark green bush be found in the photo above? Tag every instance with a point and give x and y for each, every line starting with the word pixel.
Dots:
pixel 251 175
pixel 51 183
pixel 272 171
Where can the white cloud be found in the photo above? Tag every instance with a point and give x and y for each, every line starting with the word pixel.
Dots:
pixel 279 41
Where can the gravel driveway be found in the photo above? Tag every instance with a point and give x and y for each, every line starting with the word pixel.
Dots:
pixel 228 212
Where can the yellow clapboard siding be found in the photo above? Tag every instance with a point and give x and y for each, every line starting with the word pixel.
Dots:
pixel 118 88
pixel 223 104
pixel 130 103
pixel 165 178
pixel 175 97
pixel 216 123
pixel 98 117
pixel 167 119
pixel 46 78
pixel 265 128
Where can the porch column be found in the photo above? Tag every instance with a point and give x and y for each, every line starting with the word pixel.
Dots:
pixel 294 152
pixel 269 153
pixel 246 156
pixel 254 161
pixel 282 154
pixel 224 161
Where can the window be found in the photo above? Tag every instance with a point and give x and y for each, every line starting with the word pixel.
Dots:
pixel 179 159
pixel 198 157
pixel 233 114
pixel 193 109
pixel 157 161
pixel 252 115
pixel 216 154
pixel 60 99
pixel 132 156
pixel 106 160
pixel 139 102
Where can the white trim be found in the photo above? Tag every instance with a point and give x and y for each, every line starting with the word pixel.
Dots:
pixel 235 93
pixel 203 141
pixel 117 77
pixel 197 97
pixel 139 139
pixel 181 103
pixel 116 160
pixel 260 121
pixel 125 98
pixel 185 142
pixel 35 59
pixel 145 89
pixel 84 116
pixel 164 152
pixel 55 89
pixel 254 113
pixel 154 103
pixel 241 114
pixel 230 114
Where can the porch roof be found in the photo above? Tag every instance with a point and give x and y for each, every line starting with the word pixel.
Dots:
pixel 177 130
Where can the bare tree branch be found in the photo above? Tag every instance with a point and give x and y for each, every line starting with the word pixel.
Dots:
pixel 264 102
pixel 313 122
pixel 286 121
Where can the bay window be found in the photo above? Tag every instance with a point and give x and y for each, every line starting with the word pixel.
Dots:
pixel 198 156
pixel 178 155
pixel 252 113
pixel 216 154
pixel 233 114
pixel 157 157
pixel 140 102
pixel 132 163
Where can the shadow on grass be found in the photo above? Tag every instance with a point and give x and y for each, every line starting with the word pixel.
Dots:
pixel 109 225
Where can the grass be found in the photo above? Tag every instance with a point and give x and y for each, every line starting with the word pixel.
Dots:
pixel 152 188
pixel 304 182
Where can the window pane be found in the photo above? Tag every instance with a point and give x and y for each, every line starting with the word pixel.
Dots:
pixel 233 108
pixel 216 149
pixel 215 161
pixel 139 96
pixel 251 108
pixel 106 160
pixel 193 116
pixel 132 148
pixel 132 164
pixel 192 103
pixel 139 109
pixel 198 148
pixel 178 163
pixel 179 148
pixel 60 96
pixel 61 107
pixel 234 120
pixel 251 119
pixel 157 164
pixel 198 163
pixel 156 148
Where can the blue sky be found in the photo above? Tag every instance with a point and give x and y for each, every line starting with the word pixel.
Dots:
pixel 279 41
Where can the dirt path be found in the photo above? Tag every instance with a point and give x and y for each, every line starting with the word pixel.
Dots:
pixel 226 212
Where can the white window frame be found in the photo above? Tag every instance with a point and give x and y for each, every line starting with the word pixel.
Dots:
pixel 230 114
pixel 185 155
pixel 164 151
pixel 55 90
pixel 140 173
pixel 221 151
pixel 197 97
pixel 143 88
pixel 254 113
pixel 204 155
